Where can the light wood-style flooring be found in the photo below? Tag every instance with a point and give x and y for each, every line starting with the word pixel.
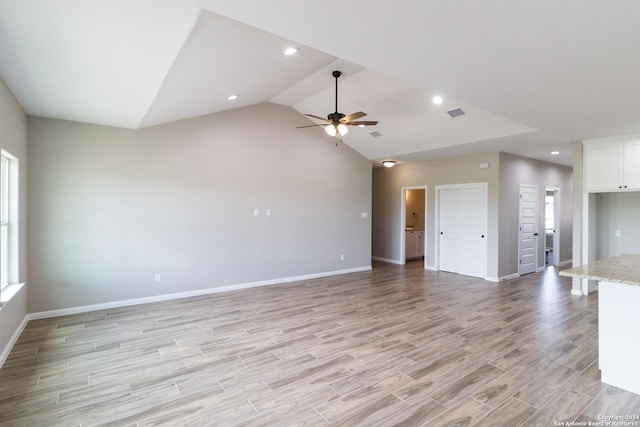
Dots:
pixel 394 346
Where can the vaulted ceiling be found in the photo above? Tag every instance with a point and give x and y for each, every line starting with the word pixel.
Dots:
pixel 532 77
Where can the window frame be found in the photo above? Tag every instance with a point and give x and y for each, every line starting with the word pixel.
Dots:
pixel 8 221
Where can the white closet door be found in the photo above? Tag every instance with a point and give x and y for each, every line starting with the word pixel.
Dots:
pixel 473 232
pixel 449 218
pixel 462 221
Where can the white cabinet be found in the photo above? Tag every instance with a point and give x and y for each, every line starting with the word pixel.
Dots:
pixel 612 165
pixel 414 244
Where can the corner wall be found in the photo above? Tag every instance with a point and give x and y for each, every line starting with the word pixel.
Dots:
pixel 516 170
pixel 110 208
pixel 13 138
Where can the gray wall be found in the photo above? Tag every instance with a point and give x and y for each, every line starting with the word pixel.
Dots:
pixel 515 170
pixel 110 207
pixel 617 211
pixel 387 199
pixel 13 138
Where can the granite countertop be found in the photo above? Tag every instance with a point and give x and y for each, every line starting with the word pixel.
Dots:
pixel 621 269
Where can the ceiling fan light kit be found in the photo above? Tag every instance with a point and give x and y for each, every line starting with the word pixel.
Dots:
pixel 335 130
pixel 336 123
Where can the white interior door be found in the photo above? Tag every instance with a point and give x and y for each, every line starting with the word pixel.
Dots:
pixel 462 220
pixel 528 229
pixel 449 219
pixel 473 230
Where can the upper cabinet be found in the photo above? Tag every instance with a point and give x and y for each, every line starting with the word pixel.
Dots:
pixel 612 164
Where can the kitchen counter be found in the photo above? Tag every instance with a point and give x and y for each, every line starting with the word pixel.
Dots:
pixel 623 269
pixel 618 318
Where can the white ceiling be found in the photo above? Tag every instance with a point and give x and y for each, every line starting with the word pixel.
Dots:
pixel 531 76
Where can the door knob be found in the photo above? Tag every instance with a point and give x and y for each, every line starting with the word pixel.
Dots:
pixel 482 236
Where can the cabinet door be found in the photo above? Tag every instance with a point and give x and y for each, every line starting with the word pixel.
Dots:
pixel 602 166
pixel 420 243
pixel 631 164
pixel 410 244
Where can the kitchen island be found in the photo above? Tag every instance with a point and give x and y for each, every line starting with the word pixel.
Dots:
pixel 618 317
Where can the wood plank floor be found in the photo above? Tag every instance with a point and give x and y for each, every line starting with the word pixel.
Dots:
pixel 394 346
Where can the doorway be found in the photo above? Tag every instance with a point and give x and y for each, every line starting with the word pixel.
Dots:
pixel 414 218
pixel 552 226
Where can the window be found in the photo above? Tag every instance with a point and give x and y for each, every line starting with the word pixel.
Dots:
pixel 8 219
pixel 549 213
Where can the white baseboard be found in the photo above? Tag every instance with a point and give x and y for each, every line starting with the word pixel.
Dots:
pixel 199 292
pixel 563 263
pixel 577 292
pixel 539 269
pixel 387 260
pixel 12 340
pixel 430 267
pixel 502 278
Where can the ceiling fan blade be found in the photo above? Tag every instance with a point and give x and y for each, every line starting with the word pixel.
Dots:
pixel 352 117
pixel 317 117
pixel 308 126
pixel 362 122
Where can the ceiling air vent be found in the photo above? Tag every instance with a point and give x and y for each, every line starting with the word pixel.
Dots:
pixel 456 112
pixel 375 134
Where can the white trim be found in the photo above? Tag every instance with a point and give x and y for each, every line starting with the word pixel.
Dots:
pixel 566 262
pixel 13 340
pixel 199 292
pixel 502 278
pixel 9 291
pixel 387 260
pixel 540 269
pixel 576 292
pixel 430 267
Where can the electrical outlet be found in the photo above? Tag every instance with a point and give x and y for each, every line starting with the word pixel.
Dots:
pixel 342 257
pixel 158 277
pixel 268 212
pixel 618 233
pixel 256 212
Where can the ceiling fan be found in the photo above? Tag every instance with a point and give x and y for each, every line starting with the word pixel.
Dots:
pixel 338 122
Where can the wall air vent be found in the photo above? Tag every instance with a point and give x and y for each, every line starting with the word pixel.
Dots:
pixel 375 134
pixel 456 112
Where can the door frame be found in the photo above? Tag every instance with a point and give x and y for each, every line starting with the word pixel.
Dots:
pixel 403 222
pixel 436 231
pixel 556 223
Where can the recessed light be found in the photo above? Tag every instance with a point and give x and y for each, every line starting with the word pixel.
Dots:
pixel 232 97
pixel 437 100
pixel 555 153
pixel 290 51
